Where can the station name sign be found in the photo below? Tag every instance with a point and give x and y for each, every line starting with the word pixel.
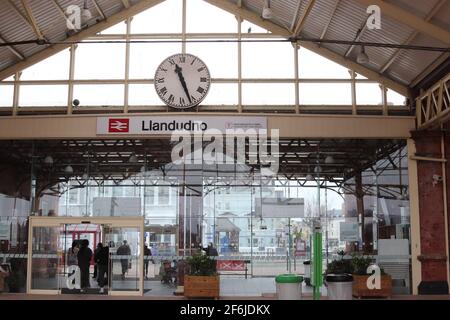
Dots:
pixel 161 125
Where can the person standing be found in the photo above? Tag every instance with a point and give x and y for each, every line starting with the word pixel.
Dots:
pixel 96 251
pixel 124 252
pixel 84 257
pixel 102 259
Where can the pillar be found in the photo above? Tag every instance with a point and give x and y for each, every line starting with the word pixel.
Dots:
pixel 432 207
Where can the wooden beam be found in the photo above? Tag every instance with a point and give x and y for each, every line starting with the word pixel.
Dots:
pixel 105 24
pixel 410 20
pixel 31 19
pixel 412 36
pixel 126 3
pixel 302 20
pixel 297 11
pixel 331 55
pixel 325 30
pixel 99 9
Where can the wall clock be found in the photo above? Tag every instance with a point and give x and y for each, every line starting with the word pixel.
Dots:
pixel 182 81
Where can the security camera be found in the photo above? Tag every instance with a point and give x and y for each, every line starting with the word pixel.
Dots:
pixel 76 102
pixel 436 179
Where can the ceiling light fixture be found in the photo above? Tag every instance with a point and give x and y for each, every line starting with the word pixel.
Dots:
pixel 68 169
pixel 267 11
pixel 362 57
pixel 48 160
pixel 309 177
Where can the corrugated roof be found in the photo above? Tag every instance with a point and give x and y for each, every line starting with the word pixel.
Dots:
pixel 341 22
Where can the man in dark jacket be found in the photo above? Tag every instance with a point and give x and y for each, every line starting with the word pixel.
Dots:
pixel 101 259
pixel 124 253
pixel 84 257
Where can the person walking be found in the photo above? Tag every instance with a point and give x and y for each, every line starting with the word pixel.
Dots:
pixel 84 257
pixel 124 251
pixel 147 255
pixel 102 259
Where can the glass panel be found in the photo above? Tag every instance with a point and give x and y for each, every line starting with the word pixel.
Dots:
pixel 6 95
pixel 79 244
pixel 267 60
pixel 120 28
pixel 221 58
pixel 222 94
pixel 100 61
pixel 46 70
pixel 309 63
pixel 43 96
pixel 145 58
pixel 155 20
pixel 325 93
pixel 124 258
pixel 46 255
pixel 99 95
pixel 395 98
pixel 143 95
pixel 252 28
pixel 268 94
pixel 212 19
pixel 368 94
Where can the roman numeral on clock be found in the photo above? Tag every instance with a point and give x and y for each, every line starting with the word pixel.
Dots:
pixel 171 98
pixel 163 91
pixel 200 90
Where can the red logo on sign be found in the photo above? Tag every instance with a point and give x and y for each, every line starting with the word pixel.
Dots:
pixel 119 125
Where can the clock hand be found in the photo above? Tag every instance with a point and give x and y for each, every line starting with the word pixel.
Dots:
pixel 178 70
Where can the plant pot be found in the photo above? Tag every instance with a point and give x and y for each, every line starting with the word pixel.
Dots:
pixel 360 289
pixel 202 286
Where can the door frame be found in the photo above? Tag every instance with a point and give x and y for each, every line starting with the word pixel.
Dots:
pixel 135 222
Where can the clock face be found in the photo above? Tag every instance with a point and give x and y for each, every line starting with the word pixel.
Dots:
pixel 182 81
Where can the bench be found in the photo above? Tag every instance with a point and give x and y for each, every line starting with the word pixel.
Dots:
pixel 232 266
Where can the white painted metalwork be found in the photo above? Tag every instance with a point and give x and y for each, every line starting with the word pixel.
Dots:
pixel 433 106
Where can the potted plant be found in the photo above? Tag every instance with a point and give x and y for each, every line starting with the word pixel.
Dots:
pixel 360 276
pixel 338 278
pixel 201 280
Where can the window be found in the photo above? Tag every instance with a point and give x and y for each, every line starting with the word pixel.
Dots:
pixel 163 195
pixel 325 93
pixel 45 70
pixel 100 61
pixel 43 95
pixel 268 94
pixel 6 95
pixel 268 60
pixel 213 19
pixel 99 95
pixel 156 19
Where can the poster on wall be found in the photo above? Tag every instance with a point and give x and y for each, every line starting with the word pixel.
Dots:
pixel 348 231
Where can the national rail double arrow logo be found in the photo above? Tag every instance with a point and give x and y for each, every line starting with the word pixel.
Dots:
pixel 119 125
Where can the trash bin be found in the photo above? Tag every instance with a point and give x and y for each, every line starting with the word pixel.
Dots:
pixel 307 266
pixel 339 286
pixel 289 287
